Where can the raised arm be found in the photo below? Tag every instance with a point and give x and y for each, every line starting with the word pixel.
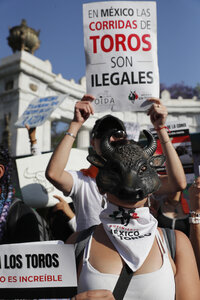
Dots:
pixel 175 179
pixel 194 196
pixel 55 172
pixel 33 141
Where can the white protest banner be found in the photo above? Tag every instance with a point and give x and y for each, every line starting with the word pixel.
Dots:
pixel 36 270
pixel 39 110
pixel 36 190
pixel 120 40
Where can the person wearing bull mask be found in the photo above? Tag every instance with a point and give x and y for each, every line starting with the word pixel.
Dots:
pixel 128 237
pixel 81 185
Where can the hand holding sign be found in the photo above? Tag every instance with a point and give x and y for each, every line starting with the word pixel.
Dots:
pixel 83 109
pixel 157 112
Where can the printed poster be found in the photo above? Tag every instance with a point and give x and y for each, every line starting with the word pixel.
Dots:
pixel 37 270
pixel 120 40
pixel 180 138
pixel 39 110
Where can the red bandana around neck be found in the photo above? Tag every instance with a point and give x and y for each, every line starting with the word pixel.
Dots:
pixel 92 171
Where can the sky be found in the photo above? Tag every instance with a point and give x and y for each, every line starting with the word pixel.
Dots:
pixel 61 34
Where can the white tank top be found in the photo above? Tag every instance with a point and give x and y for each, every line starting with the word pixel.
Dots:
pixel 150 286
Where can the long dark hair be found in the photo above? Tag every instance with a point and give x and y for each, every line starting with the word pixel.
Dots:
pixel 6 188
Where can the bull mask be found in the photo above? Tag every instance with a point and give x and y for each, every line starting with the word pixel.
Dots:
pixel 126 169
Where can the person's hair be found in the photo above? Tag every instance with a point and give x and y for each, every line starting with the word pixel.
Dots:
pixel 105 123
pixel 6 188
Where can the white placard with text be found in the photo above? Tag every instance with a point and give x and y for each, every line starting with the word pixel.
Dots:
pixel 120 40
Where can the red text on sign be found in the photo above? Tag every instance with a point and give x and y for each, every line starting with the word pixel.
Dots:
pixel 113 24
pixel 133 42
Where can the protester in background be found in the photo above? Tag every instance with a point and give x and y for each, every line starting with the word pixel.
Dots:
pixel 128 234
pixel 172 212
pixel 7 190
pixel 81 185
pixel 18 223
pixel 194 197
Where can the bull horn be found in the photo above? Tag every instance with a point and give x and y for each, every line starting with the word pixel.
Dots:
pixel 106 148
pixel 151 146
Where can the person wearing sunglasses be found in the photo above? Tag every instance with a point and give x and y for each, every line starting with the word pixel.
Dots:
pixel 81 185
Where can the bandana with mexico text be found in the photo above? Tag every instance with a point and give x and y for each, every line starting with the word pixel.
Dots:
pixel 131 231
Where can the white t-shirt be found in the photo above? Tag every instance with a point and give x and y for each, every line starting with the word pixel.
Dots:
pixel 87 200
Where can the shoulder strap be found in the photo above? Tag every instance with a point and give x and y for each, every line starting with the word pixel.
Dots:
pixel 15 201
pixel 122 282
pixel 170 240
pixel 42 226
pixel 81 242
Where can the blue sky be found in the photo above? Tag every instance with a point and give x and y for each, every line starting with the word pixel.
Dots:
pixel 61 35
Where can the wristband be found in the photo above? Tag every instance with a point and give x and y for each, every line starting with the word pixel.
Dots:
pixel 159 128
pixel 32 141
pixel 70 134
pixel 194 220
pixel 194 214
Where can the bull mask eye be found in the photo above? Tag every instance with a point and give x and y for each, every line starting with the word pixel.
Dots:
pixel 142 169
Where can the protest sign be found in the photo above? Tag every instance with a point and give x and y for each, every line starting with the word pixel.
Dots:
pixel 39 110
pixel 120 40
pixel 180 137
pixel 36 190
pixel 36 270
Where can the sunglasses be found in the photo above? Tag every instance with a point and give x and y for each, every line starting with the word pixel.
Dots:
pixel 118 134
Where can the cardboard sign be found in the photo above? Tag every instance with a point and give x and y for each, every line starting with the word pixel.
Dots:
pixel 36 270
pixel 36 190
pixel 120 40
pixel 39 110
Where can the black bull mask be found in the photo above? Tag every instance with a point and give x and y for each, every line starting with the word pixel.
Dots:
pixel 126 169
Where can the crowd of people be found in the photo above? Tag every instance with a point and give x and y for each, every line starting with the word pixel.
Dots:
pixel 117 196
